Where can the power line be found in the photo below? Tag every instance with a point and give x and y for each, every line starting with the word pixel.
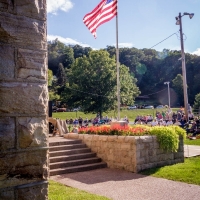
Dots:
pixel 153 93
pixel 165 39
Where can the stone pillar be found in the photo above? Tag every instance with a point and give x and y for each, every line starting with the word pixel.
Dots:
pixel 23 100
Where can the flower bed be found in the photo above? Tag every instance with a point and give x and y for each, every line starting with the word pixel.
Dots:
pixel 168 137
pixel 134 148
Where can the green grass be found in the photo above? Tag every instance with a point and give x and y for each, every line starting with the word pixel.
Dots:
pixel 131 114
pixel 192 142
pixel 58 191
pixel 188 172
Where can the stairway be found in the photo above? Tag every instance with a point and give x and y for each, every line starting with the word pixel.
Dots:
pixel 70 156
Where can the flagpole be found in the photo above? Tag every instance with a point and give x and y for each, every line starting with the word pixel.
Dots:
pixel 117 62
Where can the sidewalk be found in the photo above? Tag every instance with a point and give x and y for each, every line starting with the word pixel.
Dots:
pixel 191 151
pixel 121 185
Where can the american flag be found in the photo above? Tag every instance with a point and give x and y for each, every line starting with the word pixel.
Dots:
pixel 104 12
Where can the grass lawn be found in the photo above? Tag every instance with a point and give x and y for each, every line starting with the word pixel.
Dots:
pixel 58 191
pixel 188 172
pixel 131 114
pixel 192 142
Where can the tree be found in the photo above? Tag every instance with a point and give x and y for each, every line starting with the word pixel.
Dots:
pixel 197 102
pixel 61 76
pixel 50 77
pixel 59 53
pixel 92 83
pixel 128 91
pixel 178 87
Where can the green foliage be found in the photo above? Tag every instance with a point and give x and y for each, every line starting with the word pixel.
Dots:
pixel 197 102
pixel 141 69
pixel 192 142
pixel 146 66
pixel 178 86
pixel 188 172
pixel 128 90
pixel 61 76
pixel 59 191
pixel 180 131
pixel 53 96
pixel 50 77
pixel 167 137
pixel 59 53
pixel 92 83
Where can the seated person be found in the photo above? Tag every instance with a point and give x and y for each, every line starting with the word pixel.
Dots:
pixel 139 122
pixel 177 123
pixel 154 122
pixel 193 128
pixel 169 123
pixel 162 122
pixel 75 129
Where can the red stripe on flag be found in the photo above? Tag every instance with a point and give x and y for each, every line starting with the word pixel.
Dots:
pixel 101 14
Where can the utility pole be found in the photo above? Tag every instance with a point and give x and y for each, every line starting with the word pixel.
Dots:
pixel 179 22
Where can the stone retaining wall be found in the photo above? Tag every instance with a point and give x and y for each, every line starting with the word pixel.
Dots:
pixel 131 153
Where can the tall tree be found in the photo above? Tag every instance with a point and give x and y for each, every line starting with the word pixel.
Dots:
pixel 178 87
pixel 61 76
pixel 92 83
pixel 197 103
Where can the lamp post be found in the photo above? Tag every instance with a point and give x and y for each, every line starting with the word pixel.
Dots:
pixel 168 92
pixel 179 22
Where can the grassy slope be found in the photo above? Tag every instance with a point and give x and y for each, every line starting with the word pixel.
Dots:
pixel 131 114
pixel 58 191
pixel 188 172
pixel 192 142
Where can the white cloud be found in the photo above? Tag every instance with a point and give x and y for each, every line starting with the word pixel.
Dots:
pixel 129 45
pixel 67 41
pixel 54 5
pixel 197 52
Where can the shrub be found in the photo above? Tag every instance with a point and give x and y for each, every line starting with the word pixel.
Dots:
pixel 167 137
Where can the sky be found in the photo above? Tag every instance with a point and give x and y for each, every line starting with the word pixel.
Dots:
pixel 141 24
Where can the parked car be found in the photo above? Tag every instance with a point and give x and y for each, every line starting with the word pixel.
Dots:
pixel 159 106
pixel 132 107
pixel 76 109
pixel 148 107
pixel 61 110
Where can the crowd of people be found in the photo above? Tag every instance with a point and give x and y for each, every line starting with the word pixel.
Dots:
pixel 161 118
pixel 166 118
pixel 85 122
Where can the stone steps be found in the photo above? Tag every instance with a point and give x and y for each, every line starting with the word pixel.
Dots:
pixel 72 156
pixel 78 168
pixel 66 147
pixel 69 152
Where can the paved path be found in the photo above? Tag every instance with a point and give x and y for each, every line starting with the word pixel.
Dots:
pixel 191 151
pixel 121 185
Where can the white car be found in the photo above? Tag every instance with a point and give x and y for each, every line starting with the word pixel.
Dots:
pixel 132 107
pixel 148 107
pixel 160 106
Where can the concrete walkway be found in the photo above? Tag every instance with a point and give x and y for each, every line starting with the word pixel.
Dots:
pixel 121 185
pixel 191 151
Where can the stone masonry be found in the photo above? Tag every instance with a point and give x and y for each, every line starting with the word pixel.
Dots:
pixel 23 100
pixel 130 153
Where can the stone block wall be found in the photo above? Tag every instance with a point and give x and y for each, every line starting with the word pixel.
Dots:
pixel 23 100
pixel 130 153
